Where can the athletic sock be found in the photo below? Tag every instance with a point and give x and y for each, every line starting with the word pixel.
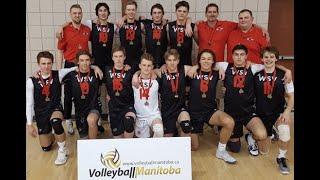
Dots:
pixel 61 145
pixel 282 153
pixel 222 147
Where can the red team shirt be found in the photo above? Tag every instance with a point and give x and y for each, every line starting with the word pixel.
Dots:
pixel 215 38
pixel 253 40
pixel 74 40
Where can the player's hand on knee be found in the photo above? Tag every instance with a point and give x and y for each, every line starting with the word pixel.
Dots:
pixel 32 131
pixel 284 118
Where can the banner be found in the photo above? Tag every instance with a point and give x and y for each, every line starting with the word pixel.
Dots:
pixel 137 158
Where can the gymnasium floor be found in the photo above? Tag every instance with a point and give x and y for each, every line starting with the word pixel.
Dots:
pixel 205 166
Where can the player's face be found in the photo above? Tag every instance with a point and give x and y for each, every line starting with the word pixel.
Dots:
pixel 206 61
pixel 157 15
pixel 76 15
pixel 182 13
pixel 212 14
pixel 103 13
pixel 131 11
pixel 146 67
pixel 45 65
pixel 118 58
pixel 269 59
pixel 239 57
pixel 172 63
pixel 84 63
pixel 245 19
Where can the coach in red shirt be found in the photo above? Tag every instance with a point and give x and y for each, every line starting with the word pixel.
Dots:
pixel 75 37
pixel 248 35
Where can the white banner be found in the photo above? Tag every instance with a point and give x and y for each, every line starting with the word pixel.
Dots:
pixel 138 158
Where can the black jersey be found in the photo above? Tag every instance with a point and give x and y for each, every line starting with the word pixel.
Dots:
pixel 125 97
pixel 102 40
pixel 198 104
pixel 169 103
pixel 156 41
pixel 91 101
pixel 41 106
pixel 269 106
pixel 239 96
pixel 131 40
pixel 182 43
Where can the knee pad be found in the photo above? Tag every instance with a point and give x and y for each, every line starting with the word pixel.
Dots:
pixel 128 124
pixel 185 126
pixel 56 124
pixel 284 132
pixel 157 130
pixel 48 148
pixel 234 146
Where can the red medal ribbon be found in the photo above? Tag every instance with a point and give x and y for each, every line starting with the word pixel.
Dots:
pixel 239 80
pixel 204 84
pixel 116 82
pixel 84 85
pixel 130 33
pixel 174 84
pixel 267 87
pixel 45 87
pixel 144 92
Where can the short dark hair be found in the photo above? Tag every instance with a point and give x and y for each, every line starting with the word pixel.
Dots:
pixel 148 57
pixel 158 6
pixel 83 52
pixel 132 3
pixel 104 5
pixel 212 5
pixel 182 3
pixel 119 48
pixel 245 10
pixel 207 51
pixel 44 54
pixel 75 6
pixel 271 49
pixel 240 47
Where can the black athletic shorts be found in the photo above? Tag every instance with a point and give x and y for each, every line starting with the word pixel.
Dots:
pixel 116 116
pixel 43 120
pixel 169 121
pixel 82 123
pixel 269 121
pixel 198 119
pixel 241 121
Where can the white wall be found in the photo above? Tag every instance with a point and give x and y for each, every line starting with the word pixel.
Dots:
pixel 44 16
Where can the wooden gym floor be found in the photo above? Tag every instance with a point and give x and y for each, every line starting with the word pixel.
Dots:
pixel 205 166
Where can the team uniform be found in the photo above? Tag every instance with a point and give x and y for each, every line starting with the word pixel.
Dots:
pixel 180 42
pixel 118 84
pixel 44 100
pixel 85 94
pixel 156 41
pixel 254 40
pixel 102 41
pixel 270 92
pixel 202 104
pixel 239 100
pixel 172 90
pixel 146 105
pixel 73 40
pixel 131 40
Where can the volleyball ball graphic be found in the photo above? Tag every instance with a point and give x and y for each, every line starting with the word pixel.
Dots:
pixel 111 159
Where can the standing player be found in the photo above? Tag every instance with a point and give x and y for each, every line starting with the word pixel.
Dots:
pixel 84 86
pixel 203 107
pixel 43 95
pixel 130 36
pixel 176 32
pixel 271 101
pixel 146 101
pixel 76 37
pixel 121 103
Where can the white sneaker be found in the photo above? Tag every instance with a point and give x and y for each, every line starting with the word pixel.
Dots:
pixel 225 156
pixel 252 146
pixel 69 127
pixel 62 156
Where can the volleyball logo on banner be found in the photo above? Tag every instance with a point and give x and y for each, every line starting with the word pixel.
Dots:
pixel 111 159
